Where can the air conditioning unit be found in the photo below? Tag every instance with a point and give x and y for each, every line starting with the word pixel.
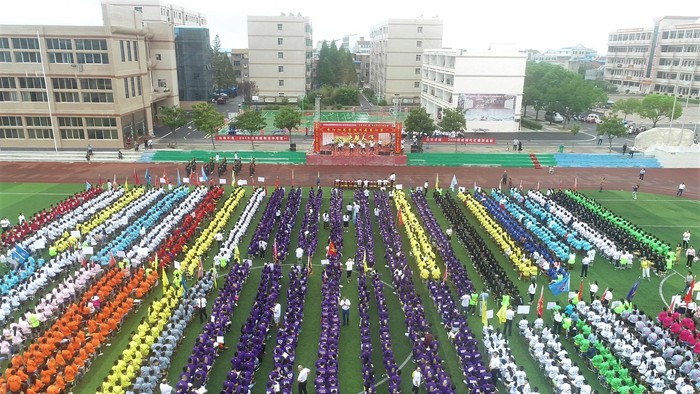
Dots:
pixel 619 64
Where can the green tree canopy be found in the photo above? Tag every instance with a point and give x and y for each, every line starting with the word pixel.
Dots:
pixel 335 66
pixel 288 118
pixel 418 121
pixel 207 119
pixel 174 117
pixel 627 106
pixel 452 120
pixel 656 107
pixel 612 127
pixel 346 95
pixel 250 121
pixel 222 69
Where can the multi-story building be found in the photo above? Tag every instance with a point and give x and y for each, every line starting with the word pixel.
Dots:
pixel 280 56
pixel 239 59
pixel 194 73
pixel 161 11
pixel 487 86
pixel 70 86
pixel 570 58
pixel 396 57
pixel 664 58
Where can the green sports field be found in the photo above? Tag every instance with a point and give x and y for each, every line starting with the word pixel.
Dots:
pixel 661 215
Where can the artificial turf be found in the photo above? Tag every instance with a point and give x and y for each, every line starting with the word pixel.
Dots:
pixel 663 216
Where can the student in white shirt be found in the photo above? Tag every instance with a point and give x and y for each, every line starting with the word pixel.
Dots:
pixel 302 378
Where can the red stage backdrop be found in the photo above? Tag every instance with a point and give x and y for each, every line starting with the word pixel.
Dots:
pixel 327 133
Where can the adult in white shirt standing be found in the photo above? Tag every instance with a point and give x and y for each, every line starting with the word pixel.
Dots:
pixel 417 379
pixel 300 253
pixel 686 239
pixel 165 388
pixel 345 306
pixel 302 378
pixel 348 268
pixel 277 314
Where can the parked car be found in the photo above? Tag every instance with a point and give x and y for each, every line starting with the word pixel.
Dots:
pixel 593 118
pixel 553 117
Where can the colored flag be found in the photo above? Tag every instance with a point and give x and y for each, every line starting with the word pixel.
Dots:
pixel 561 286
pixel 179 180
pixel 114 181
pixel 200 269
pixel 236 253
pixel 580 291
pixel 274 250
pixel 101 180
pixel 605 293
pixel 148 177
pixel 673 303
pixel 165 177
pixel 399 217
pixel 689 296
pixel 318 179
pixel 194 179
pixel 633 290
pixel 365 266
pixel 126 184
pixel 204 175
pixel 87 185
pixel 538 185
pixel 475 186
pixel 332 251
pixel 540 303
pixel 309 265
pixel 521 185
pixel 277 182
pixel 136 178
pixel 233 177
pixel 292 178
pixel 112 260
pixel 437 181
pixel 164 278
pixel 484 318
pixel 575 183
pixel 453 183
pixel 184 285
pixel 444 277
pixel 501 314
pixel 216 277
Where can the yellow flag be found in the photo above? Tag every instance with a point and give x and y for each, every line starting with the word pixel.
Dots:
pixel 164 278
pixel 126 184
pixel 365 263
pixel 233 177
pixel 501 314
pixel 437 182
pixel 484 319
pixel 236 254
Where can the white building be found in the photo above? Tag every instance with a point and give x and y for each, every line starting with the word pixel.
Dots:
pixel 161 11
pixel 396 56
pixel 486 85
pixel 664 58
pixel 280 56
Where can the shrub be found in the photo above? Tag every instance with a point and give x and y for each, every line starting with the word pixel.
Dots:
pixel 531 124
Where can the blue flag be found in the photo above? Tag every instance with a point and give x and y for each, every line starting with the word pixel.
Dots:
pixel 184 286
pixel 561 286
pixel 179 181
pixel 148 177
pixel 633 290
pixel 87 185
pixel 204 175
pixel 453 183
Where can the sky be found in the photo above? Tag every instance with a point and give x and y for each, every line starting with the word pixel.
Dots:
pixel 539 24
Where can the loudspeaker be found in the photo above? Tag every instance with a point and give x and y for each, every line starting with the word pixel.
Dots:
pixel 383 153
pixel 325 152
pixel 293 147
pixel 414 149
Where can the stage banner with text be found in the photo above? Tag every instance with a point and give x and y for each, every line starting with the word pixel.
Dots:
pixel 450 140
pixel 256 138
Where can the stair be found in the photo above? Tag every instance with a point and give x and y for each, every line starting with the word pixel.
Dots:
pixel 535 162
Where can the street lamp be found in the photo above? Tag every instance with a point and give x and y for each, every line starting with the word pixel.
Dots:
pixel 396 108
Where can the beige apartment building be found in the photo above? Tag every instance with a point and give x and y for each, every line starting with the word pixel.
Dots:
pixel 64 87
pixel 396 57
pixel 161 11
pixel 239 60
pixel 664 58
pixel 280 56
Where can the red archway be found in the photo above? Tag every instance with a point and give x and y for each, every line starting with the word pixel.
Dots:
pixel 325 133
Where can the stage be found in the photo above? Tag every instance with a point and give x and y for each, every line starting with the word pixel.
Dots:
pixel 355 160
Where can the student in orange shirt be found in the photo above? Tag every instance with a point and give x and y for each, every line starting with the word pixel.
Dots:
pixel 70 372
pixel 14 382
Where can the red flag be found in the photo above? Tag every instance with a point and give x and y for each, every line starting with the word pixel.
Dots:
pixel 332 251
pixel 274 250
pixel 689 296
pixel 604 294
pixel 112 260
pixel 580 291
pixel 521 185
pixel 165 177
pixel 101 181
pixel 136 178
pixel 559 185
pixel 444 278
pixel 673 304
pixel 277 183
pixel 265 188
pixel 156 183
pixel 194 179
pixel 399 218
pixel 540 303
pixel 575 183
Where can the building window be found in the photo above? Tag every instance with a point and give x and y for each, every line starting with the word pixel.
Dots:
pixel 417 58
pixel 65 83
pixel 25 43
pixel 133 87
pixel 280 69
pixel 4 43
pixel 279 26
pixel 70 121
pixel 34 97
pixel 7 83
pixel 236 63
pixel 280 82
pixel 162 83
pixel 140 9
pixel 420 29
pixel 103 134
pixel 126 87
pixel 11 134
pixel 58 43
pixel 416 84
pixel 38 121
pixel 98 98
pixel 136 51
pixel 93 58
pixel 10 121
pixel 281 94
pixel 31 83
pixel 100 122
pixel 128 50
pixel 417 70
pixel 121 49
pixel 158 57
pixel 138 85
pixel 40 134
pixel 8 96
pixel 72 134
pixel 280 41
pixel 66 97
pixel 96 84
pixel 61 57
pixel 280 55
pixel 27 57
pixel 419 44
pixel 90 45
pixel 5 57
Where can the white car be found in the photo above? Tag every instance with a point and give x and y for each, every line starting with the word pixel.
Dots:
pixel 593 118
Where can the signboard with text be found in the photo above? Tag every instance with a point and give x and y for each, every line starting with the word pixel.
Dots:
pixel 450 140
pixel 256 138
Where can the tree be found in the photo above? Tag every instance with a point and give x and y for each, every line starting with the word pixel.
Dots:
pixel 288 118
pixel 418 121
pixel 574 131
pixel 249 89
pixel 174 117
pixel 627 106
pixel 656 107
pixel 452 120
pixel 346 95
pixel 612 127
pixel 207 119
pixel 250 121
pixel 222 69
